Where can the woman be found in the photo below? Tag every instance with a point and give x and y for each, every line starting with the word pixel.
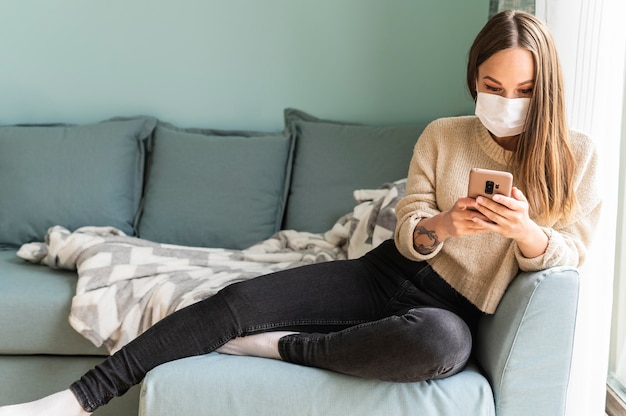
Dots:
pixel 407 310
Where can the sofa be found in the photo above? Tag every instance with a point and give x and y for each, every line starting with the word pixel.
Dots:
pixel 231 189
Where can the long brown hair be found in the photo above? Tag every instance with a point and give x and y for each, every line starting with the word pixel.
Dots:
pixel 542 163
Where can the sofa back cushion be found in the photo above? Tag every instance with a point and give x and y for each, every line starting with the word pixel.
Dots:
pixel 70 175
pixel 214 188
pixel 332 159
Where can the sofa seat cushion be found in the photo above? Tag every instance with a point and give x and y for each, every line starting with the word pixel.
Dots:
pixel 26 377
pixel 217 384
pixel 34 308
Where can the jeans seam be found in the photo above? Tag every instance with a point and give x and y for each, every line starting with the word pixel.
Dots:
pixel 301 322
pixel 397 295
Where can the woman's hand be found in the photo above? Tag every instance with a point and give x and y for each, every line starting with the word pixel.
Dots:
pixel 457 221
pixel 463 219
pixel 508 216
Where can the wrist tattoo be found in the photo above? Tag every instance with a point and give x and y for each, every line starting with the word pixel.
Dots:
pixel 431 235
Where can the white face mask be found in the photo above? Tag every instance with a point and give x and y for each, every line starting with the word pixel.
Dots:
pixel 504 117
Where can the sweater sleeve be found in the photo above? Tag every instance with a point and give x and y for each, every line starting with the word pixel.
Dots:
pixel 420 200
pixel 568 241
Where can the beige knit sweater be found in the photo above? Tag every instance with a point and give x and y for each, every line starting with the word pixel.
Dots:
pixel 481 266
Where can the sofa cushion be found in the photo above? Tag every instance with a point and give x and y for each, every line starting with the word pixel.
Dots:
pixel 27 377
pixel 332 159
pixel 214 188
pixel 71 176
pixel 217 384
pixel 34 308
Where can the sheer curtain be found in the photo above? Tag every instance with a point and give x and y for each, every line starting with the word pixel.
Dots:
pixel 617 357
pixel 591 38
pixel 617 361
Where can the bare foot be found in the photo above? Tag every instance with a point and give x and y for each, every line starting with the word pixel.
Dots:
pixel 63 403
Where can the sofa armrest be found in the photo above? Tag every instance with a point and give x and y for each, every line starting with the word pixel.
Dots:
pixel 525 348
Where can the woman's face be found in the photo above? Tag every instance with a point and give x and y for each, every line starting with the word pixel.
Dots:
pixel 508 73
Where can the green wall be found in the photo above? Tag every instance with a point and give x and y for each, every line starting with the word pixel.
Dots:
pixel 235 63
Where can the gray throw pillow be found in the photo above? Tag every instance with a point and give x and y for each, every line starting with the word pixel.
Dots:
pixel 214 188
pixel 332 159
pixel 70 175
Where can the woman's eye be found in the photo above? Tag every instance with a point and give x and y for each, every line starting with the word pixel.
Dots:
pixel 495 89
pixel 527 91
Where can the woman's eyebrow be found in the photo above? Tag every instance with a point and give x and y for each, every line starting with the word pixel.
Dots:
pixel 492 79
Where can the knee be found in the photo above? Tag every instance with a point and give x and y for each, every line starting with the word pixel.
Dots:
pixel 435 343
pixel 441 331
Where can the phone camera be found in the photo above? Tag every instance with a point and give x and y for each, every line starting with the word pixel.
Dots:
pixel 489 187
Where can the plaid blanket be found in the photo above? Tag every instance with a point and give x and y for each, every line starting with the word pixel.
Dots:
pixel 126 284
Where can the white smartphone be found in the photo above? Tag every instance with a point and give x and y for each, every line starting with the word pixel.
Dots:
pixel 487 182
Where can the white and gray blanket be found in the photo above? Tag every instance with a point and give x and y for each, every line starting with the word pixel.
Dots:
pixel 126 284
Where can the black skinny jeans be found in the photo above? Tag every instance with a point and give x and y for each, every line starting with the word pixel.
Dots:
pixel 381 316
